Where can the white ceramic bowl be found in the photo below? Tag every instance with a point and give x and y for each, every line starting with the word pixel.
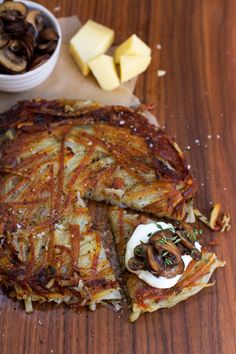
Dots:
pixel 33 78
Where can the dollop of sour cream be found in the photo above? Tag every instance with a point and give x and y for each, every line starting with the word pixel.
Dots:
pixel 141 234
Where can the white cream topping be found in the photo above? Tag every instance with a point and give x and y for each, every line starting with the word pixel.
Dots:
pixel 141 234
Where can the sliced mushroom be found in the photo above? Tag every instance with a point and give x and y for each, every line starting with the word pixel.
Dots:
pixel 161 244
pixel 28 45
pixel 172 271
pixel 16 28
pixel 39 61
pixel 195 253
pixel 153 262
pixel 16 6
pixel 164 244
pixel 15 46
pixel 162 233
pixel 48 34
pixel 140 250
pixel 135 264
pixel 47 47
pixel 3 40
pixel 10 15
pixel 36 18
pixel 11 62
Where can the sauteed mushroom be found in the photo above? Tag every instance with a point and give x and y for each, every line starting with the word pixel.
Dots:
pixel 140 250
pixel 48 34
pixel 39 61
pixel 195 254
pixel 10 15
pixel 11 62
pixel 15 6
pixel 162 254
pixel 36 19
pixel 135 264
pixel 3 39
pixel 27 39
pixel 153 262
pixel 161 243
pixel 1 26
pixel 15 46
pixel 47 47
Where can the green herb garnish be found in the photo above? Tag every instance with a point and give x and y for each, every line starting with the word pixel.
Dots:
pixel 165 254
pixel 175 239
pixel 163 240
pixel 194 234
pixel 159 226
pixel 168 262
pixel 139 252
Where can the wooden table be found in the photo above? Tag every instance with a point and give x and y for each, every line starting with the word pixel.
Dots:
pixel 196 102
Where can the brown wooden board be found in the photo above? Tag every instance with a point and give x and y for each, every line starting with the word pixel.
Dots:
pixel 195 101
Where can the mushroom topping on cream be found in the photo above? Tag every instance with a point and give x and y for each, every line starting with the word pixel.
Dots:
pixel 158 253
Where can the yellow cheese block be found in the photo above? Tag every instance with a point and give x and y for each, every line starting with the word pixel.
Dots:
pixel 131 66
pixel 92 40
pixel 104 70
pixel 132 46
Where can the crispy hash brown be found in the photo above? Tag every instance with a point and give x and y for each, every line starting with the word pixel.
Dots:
pixel 145 298
pixel 54 156
pixel 134 165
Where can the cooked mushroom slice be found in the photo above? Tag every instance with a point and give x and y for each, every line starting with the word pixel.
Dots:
pixel 153 261
pixel 195 253
pixel 36 18
pixel 135 264
pixel 1 26
pixel 161 243
pixel 28 45
pixel 15 46
pixel 162 233
pixel 10 15
pixel 3 40
pixel 11 62
pixel 47 47
pixel 16 28
pixel 39 61
pixel 140 250
pixel 16 6
pixel 48 34
pixel 172 271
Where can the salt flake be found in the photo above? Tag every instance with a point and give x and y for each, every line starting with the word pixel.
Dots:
pixel 161 73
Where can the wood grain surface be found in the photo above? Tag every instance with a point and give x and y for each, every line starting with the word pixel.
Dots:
pixel 196 102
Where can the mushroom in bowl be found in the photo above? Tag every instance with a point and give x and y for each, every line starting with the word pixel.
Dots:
pixel 30 40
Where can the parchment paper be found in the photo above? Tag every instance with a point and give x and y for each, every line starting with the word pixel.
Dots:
pixel 66 81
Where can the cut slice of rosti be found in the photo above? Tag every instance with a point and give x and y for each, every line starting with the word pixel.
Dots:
pixel 143 297
pixel 111 154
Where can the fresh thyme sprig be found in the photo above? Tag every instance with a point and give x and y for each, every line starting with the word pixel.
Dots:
pixel 194 235
pixel 168 262
pixel 163 240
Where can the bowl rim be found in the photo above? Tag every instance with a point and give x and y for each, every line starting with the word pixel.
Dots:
pixel 49 14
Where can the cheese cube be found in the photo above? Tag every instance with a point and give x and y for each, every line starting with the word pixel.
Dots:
pixel 132 46
pixel 131 66
pixel 104 70
pixel 92 40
